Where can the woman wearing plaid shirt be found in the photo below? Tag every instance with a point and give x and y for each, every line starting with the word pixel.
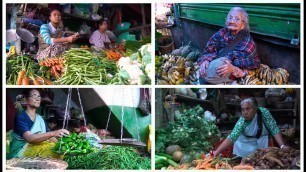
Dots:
pixel 242 58
pixel 99 38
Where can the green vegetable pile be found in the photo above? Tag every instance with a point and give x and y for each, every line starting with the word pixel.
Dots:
pixel 191 131
pixel 164 160
pixel 84 68
pixel 73 144
pixel 114 157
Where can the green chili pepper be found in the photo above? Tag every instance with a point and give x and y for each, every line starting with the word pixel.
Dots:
pixel 74 136
pixel 68 150
pixel 85 151
pixel 67 139
pixel 80 145
pixel 57 145
pixel 63 148
pixel 76 151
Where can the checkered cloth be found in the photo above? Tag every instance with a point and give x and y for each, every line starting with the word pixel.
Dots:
pixel 243 56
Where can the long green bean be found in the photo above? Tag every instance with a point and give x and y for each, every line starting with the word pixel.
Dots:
pixel 110 158
pixel 85 68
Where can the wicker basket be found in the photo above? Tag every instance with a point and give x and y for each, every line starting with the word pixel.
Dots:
pixel 284 105
pixel 168 48
pixel 35 163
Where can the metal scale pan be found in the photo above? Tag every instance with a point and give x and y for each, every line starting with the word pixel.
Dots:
pixel 123 142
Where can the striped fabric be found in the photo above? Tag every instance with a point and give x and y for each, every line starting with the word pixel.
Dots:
pixel 45 33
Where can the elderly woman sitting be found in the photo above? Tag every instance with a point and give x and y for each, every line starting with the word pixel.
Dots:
pixel 235 44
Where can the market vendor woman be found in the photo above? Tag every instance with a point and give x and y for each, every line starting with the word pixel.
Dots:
pixel 233 42
pixel 99 39
pixel 251 131
pixel 30 127
pixel 50 37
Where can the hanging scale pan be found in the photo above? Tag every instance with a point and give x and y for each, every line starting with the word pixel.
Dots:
pixel 123 142
pixel 25 35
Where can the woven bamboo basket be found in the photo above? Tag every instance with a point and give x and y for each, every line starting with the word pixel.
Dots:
pixel 35 163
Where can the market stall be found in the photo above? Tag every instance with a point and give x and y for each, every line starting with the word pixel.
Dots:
pixel 100 44
pixel 186 31
pixel 192 123
pixel 112 124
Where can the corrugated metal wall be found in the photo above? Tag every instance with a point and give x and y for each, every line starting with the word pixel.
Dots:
pixel 278 20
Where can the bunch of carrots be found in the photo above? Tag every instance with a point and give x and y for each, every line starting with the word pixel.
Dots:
pixel 113 55
pixel 24 79
pixel 205 163
pixel 212 163
pixel 56 65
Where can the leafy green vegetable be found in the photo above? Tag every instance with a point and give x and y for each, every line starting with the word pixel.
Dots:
pixel 132 45
pixel 192 132
pixel 124 76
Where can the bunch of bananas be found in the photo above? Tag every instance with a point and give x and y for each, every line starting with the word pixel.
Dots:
pixel 177 70
pixel 266 76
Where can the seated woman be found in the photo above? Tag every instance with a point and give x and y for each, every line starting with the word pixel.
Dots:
pixel 30 127
pixel 99 38
pixel 50 39
pixel 233 42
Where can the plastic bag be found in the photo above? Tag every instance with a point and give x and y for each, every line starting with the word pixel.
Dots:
pixel 209 116
pixel 211 72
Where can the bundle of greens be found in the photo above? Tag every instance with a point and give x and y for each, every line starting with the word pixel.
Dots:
pixel 191 131
pixel 114 157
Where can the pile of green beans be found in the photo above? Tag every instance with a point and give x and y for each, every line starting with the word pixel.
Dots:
pixel 110 158
pixel 84 68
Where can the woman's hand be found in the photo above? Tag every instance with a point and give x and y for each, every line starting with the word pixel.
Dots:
pixel 203 68
pixel 226 69
pixel 60 133
pixel 285 147
pixel 72 38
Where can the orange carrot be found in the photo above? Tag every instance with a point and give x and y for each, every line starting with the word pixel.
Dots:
pixel 205 165
pixel 40 80
pixel 243 167
pixel 53 68
pixel 36 82
pixel 58 67
pixel 25 81
pixel 209 168
pixel 20 77
pixel 47 81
